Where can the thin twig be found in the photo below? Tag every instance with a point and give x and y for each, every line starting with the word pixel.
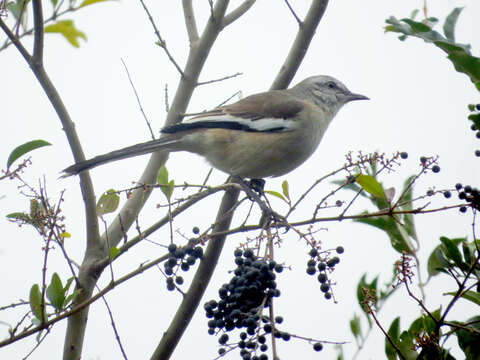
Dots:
pixel 220 79
pixel 37 57
pixel 293 13
pixel 138 100
pixel 161 42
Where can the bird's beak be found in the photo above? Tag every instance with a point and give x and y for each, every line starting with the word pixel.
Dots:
pixel 353 97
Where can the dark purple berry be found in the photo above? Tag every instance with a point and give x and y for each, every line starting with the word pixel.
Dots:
pixel 196 230
pixel 311 270
pixel 171 248
pixel 403 155
pixel 436 169
pixel 423 160
pixel 430 192
pixel 458 186
pixel 463 209
pixel 317 346
pixel 324 287
pixel 327 295
pixel 447 194
pixel 313 252
pixel 477 153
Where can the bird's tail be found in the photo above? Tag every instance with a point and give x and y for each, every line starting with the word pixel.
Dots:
pixel 163 143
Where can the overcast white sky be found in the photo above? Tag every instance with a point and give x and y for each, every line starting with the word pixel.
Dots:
pixel 418 104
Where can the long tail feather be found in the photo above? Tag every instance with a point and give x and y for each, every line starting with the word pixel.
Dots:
pixel 128 152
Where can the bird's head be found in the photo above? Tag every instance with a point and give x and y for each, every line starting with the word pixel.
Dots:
pixel 326 92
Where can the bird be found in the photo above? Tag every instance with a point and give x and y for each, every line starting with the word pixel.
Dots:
pixel 268 134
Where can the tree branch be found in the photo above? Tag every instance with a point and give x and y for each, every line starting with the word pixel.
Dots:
pixel 202 277
pixel 237 13
pixel 300 44
pixel 38 32
pixel 190 22
pixel 21 49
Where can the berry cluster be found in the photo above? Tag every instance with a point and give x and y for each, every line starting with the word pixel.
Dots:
pixel 325 265
pixel 241 304
pixel 180 258
pixel 470 195
pixel 475 118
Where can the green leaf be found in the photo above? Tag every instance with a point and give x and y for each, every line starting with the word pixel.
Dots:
pixel 424 325
pixel 406 200
pixel 162 176
pixel 398 239
pixel 351 186
pixel 470 295
pixel 71 297
pixel 417 27
pixel 437 262
pixel 68 30
pixel 370 185
pixel 414 13
pixel 113 252
pixel 285 189
pixel 355 326
pixel 362 284
pixel 162 179
pixel 469 341
pixel 450 249
pixel 108 202
pixel 67 285
pixel 19 216
pixel 36 302
pixel 55 293
pixel 54 2
pixel 450 22
pixel 276 194
pixel 90 2
pixel 23 149
pixel 393 332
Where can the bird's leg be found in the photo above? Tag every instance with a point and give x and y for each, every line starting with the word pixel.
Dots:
pixel 257 185
pixel 254 189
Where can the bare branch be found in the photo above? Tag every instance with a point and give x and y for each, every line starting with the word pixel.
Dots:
pixel 138 100
pixel 21 49
pixel 221 79
pixel 237 13
pixel 190 22
pixel 294 13
pixel 38 32
pixel 300 44
pixel 202 277
pixel 160 41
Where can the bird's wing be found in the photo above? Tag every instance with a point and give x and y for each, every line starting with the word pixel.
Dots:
pixel 258 113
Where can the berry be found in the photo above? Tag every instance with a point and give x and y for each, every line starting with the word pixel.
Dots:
pixel 338 203
pixel 285 336
pixel 403 155
pixel 322 277
pixel 171 248
pixel 477 135
pixel 458 186
pixel 197 252
pixel 462 195
pixel 321 266
pixel 238 253
pixel 179 280
pixel 170 286
pixel 473 127
pixel 278 319
pixel 263 348
pixel 263 356
pixel 430 192
pixel 311 270
pixel 168 270
pixel 436 169
pixel 324 287
pixel 447 194
pixel 267 328
pixel 339 249
pixel 221 351
pixel 423 160
pixel 196 230
pixel 477 107
pixel 248 253
pixel 261 339
pixel 477 153
pixel 317 346
pixel 185 266
pixel 171 262
pixel 463 209
pixel 278 268
pixel 468 189
pixel 313 252
pixel 311 262
pixel 327 295
pixel 223 339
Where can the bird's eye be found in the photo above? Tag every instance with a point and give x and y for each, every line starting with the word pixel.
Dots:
pixel 331 85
